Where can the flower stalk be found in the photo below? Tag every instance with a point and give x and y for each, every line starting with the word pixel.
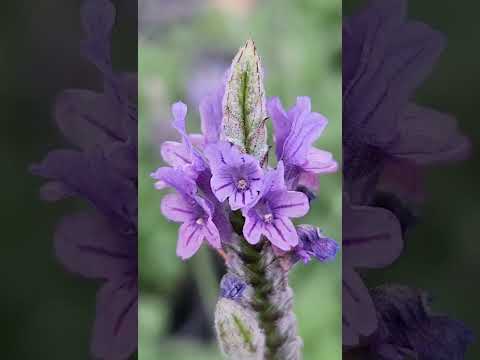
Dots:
pixel 269 295
pixel 227 195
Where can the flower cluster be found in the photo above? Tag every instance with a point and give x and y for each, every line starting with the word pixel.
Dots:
pixel 100 167
pixel 215 178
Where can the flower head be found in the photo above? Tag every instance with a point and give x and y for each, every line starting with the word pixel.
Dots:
pixel 229 161
pixel 270 214
pixel 236 176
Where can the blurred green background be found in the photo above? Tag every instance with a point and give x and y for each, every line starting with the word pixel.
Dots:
pixel 183 51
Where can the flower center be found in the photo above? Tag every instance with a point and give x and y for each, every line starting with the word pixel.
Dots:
pixel 268 218
pixel 242 184
pixel 200 221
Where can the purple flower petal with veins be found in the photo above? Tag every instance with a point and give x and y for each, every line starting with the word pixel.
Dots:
pixel 295 133
pixel 236 176
pixel 194 212
pixel 270 214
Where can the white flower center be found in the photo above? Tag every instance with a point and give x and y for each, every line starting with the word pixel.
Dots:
pixel 268 218
pixel 200 221
pixel 242 184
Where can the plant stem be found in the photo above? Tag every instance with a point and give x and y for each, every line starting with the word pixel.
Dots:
pixel 271 299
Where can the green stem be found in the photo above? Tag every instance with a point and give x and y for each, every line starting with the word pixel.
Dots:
pixel 271 299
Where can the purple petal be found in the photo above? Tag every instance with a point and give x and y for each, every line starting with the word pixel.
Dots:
pixel 211 233
pixel 427 136
pixel 274 180
pixel 305 130
pixel 281 123
pixel 86 244
pixel 54 191
pixel 174 207
pixel 98 17
pixel 252 229
pixel 205 204
pixel 222 222
pixel 358 311
pixel 221 154
pixel 372 236
pixel 190 238
pixel 222 183
pixel 325 249
pixel 179 112
pixel 88 119
pixel 175 154
pixel 320 162
pixel 91 176
pixel 239 199
pixel 211 115
pixel 302 105
pixel 289 203
pixel 281 233
pixel 177 179
pixel 116 326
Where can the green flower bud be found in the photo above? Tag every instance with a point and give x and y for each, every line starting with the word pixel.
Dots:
pixel 238 331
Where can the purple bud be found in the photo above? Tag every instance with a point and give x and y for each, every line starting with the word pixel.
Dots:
pixel 231 287
pixel 312 243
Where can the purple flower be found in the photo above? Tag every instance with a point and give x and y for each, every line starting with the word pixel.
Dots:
pixel 236 176
pixel 182 155
pixel 312 243
pixel 295 133
pixel 231 287
pixel 386 57
pixel 407 326
pixel 194 212
pixel 270 214
pixel 372 238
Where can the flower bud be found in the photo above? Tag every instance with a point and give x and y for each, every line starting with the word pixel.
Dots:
pixel 238 331
pixel 244 104
pixel 313 243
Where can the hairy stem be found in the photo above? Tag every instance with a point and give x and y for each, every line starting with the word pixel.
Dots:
pixel 271 299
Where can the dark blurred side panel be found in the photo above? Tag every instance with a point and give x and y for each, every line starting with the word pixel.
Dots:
pixel 411 171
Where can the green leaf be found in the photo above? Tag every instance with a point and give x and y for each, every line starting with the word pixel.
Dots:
pixel 244 104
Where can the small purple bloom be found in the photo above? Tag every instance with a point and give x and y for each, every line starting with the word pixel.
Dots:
pixel 231 287
pixel 295 133
pixel 182 155
pixel 194 212
pixel 236 176
pixel 312 243
pixel 270 214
